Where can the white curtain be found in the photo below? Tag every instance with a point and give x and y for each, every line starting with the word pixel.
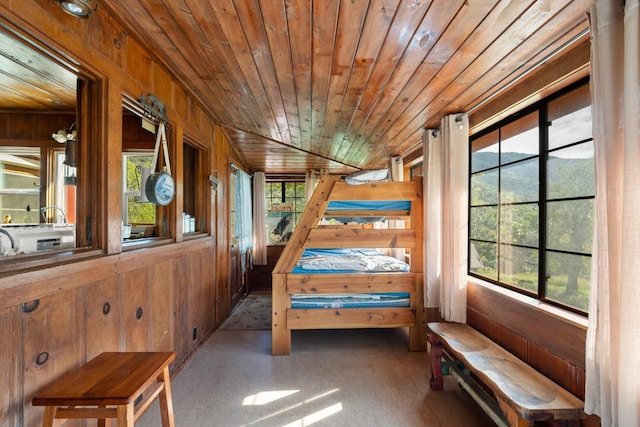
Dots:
pixel 259 220
pixel 311 179
pixel 613 347
pixel 446 156
pixel 243 216
pixel 396 169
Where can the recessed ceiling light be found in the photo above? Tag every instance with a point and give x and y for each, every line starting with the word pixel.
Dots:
pixel 78 8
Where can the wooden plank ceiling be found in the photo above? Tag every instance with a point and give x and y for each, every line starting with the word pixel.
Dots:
pixel 342 85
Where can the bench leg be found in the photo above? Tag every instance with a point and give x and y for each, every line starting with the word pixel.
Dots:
pixel 513 418
pixel 436 382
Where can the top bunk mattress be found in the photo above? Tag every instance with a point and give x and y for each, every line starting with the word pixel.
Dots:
pixel 350 260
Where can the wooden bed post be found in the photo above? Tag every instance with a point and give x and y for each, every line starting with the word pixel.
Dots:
pixel 418 334
pixel 280 334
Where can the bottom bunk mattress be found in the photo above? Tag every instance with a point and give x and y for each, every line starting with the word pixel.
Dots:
pixel 400 299
pixel 326 261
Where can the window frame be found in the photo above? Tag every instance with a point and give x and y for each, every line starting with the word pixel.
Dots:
pixel 543 199
pixel 296 215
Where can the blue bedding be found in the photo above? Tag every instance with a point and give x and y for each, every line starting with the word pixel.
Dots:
pixel 398 299
pixel 327 261
pixel 319 261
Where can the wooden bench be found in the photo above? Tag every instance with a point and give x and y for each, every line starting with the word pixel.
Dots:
pixel 110 386
pixel 521 395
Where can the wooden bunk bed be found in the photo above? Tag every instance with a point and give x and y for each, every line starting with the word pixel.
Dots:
pixel 310 234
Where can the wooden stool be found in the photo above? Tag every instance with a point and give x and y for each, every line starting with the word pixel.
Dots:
pixel 108 387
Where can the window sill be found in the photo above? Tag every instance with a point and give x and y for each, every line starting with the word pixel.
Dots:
pixel 535 304
pixel 194 235
pixel 144 242
pixel 21 263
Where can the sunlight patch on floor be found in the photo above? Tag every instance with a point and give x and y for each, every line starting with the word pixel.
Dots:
pixel 316 416
pixel 272 396
pixel 265 397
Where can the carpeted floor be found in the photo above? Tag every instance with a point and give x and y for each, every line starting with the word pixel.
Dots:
pixel 252 313
pixel 343 377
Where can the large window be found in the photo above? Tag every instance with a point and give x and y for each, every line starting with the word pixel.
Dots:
pixel 285 203
pixel 532 200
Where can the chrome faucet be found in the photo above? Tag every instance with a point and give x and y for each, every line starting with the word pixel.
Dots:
pixel 46 208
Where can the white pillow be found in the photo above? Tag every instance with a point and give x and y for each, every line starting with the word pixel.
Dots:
pixel 363 177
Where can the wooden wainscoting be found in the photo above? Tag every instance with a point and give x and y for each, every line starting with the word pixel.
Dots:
pixel 156 299
pixel 552 344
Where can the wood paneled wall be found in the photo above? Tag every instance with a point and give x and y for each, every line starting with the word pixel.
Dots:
pixel 165 297
pixel 161 300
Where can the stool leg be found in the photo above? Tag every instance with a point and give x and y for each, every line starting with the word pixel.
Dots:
pixel 166 401
pixel 49 416
pixel 125 415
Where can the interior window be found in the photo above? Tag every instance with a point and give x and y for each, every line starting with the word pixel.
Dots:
pixel 42 144
pixel 141 219
pixel 193 184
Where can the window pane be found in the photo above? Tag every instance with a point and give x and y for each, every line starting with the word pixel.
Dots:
pixel 283 213
pixel 20 185
pixel 484 223
pixel 484 188
pixel 570 118
pixel 519 224
pixel 139 214
pixel 485 152
pixel 568 279
pixel 520 139
pixel 143 212
pixel 570 225
pixel 519 182
pixel 519 267
pixel 571 172
pixel 273 192
pixel 483 259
